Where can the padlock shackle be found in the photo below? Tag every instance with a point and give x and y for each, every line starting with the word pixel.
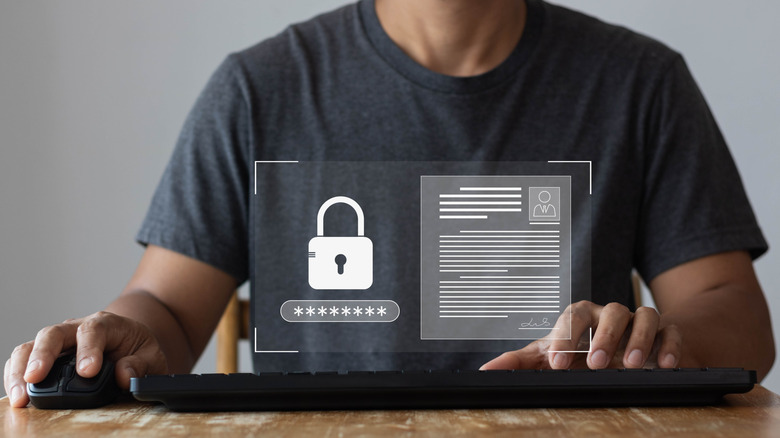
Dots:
pixel 340 200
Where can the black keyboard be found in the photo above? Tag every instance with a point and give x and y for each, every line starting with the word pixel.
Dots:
pixel 435 389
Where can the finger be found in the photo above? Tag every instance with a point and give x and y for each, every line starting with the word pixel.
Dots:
pixel 6 373
pixel 91 340
pixel 49 343
pixel 572 323
pixel 148 360
pixel 531 356
pixel 14 375
pixel 128 367
pixel 611 324
pixel 643 331
pixel 670 351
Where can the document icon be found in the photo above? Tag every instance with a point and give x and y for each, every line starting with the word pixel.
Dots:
pixel 495 255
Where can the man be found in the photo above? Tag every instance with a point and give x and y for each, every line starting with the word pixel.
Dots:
pixel 443 80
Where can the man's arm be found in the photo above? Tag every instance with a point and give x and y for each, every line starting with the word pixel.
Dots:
pixel 160 323
pixel 719 309
pixel 180 299
pixel 712 313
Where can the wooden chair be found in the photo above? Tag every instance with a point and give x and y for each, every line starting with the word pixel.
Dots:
pixel 234 326
pixel 637 287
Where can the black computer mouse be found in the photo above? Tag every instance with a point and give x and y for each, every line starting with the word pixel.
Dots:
pixel 63 388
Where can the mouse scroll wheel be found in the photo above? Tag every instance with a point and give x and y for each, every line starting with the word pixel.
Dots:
pixel 82 384
pixel 68 370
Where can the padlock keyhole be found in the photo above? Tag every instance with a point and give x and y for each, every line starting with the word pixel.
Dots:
pixel 341 260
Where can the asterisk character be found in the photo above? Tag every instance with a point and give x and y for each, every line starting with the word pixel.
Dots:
pixel 381 311
pixel 369 310
pixel 322 310
pixel 358 311
pixel 345 310
pixel 298 311
pixel 310 311
pixel 334 310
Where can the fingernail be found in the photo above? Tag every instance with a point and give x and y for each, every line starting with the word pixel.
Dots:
pixel 32 366
pixel 131 372
pixel 84 363
pixel 16 393
pixel 560 360
pixel 670 360
pixel 635 358
pixel 599 359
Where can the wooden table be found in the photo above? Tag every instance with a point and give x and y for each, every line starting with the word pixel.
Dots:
pixel 756 413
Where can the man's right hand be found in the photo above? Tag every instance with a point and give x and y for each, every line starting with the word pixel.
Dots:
pixel 159 324
pixel 129 343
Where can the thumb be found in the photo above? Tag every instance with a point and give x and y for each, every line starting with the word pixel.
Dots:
pixel 531 357
pixel 513 360
pixel 138 365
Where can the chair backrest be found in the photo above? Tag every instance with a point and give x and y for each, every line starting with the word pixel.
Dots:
pixel 636 285
pixel 233 326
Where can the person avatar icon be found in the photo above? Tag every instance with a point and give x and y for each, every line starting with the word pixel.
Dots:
pixel 544 209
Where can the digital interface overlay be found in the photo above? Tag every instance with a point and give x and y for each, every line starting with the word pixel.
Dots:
pixel 364 257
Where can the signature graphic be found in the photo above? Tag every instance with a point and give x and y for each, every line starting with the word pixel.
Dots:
pixel 531 323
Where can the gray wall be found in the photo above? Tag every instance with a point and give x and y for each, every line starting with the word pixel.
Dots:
pixel 94 92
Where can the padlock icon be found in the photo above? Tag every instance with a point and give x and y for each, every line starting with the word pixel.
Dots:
pixel 341 262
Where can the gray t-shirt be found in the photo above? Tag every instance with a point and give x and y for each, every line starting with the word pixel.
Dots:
pixel 336 88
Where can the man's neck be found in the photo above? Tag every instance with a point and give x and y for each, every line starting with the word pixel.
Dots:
pixel 454 37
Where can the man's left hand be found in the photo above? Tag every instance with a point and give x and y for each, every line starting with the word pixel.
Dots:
pixel 621 339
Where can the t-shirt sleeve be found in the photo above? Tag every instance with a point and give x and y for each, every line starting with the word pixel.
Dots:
pixel 693 202
pixel 200 206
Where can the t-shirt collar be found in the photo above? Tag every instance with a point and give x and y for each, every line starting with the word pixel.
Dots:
pixel 411 70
